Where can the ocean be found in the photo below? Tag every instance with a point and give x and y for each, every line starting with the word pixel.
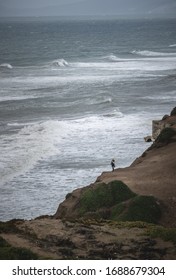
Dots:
pixel 75 93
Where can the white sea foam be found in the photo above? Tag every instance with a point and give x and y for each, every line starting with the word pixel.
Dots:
pixel 90 64
pixel 126 68
pixel 6 65
pixel 172 46
pixel 170 97
pixel 19 124
pixel 152 53
pixel 20 152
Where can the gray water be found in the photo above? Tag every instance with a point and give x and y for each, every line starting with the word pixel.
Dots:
pixel 73 95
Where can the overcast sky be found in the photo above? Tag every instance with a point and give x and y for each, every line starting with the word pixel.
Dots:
pixel 162 8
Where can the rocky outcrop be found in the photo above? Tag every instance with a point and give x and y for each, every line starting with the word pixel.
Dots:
pixel 173 112
pixel 168 121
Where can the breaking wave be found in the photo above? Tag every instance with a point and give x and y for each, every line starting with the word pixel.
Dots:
pixel 107 100
pixel 6 65
pixel 112 57
pixel 101 101
pixel 151 53
pixel 172 46
pixel 60 63
pixel 114 113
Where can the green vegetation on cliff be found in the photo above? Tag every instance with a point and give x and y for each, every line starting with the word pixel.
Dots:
pixel 140 208
pixel 115 201
pixel 104 195
pixel 7 252
pixel 166 234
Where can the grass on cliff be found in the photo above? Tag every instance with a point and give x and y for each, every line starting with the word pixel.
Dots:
pixel 115 201
pixel 104 195
pixel 7 252
pixel 140 208
pixel 166 234
pixel 10 226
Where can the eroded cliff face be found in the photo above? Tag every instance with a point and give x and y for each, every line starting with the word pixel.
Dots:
pixel 166 122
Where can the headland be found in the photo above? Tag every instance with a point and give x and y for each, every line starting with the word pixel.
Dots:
pixel 129 213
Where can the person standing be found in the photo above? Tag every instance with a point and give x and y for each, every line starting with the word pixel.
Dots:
pixel 113 164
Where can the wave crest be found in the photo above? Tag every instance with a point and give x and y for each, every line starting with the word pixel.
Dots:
pixel 112 57
pixel 60 62
pixel 104 101
pixel 151 53
pixel 172 46
pixel 6 65
pixel 114 114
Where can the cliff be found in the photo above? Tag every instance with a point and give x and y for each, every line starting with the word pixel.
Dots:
pixel 126 214
pixel 152 175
